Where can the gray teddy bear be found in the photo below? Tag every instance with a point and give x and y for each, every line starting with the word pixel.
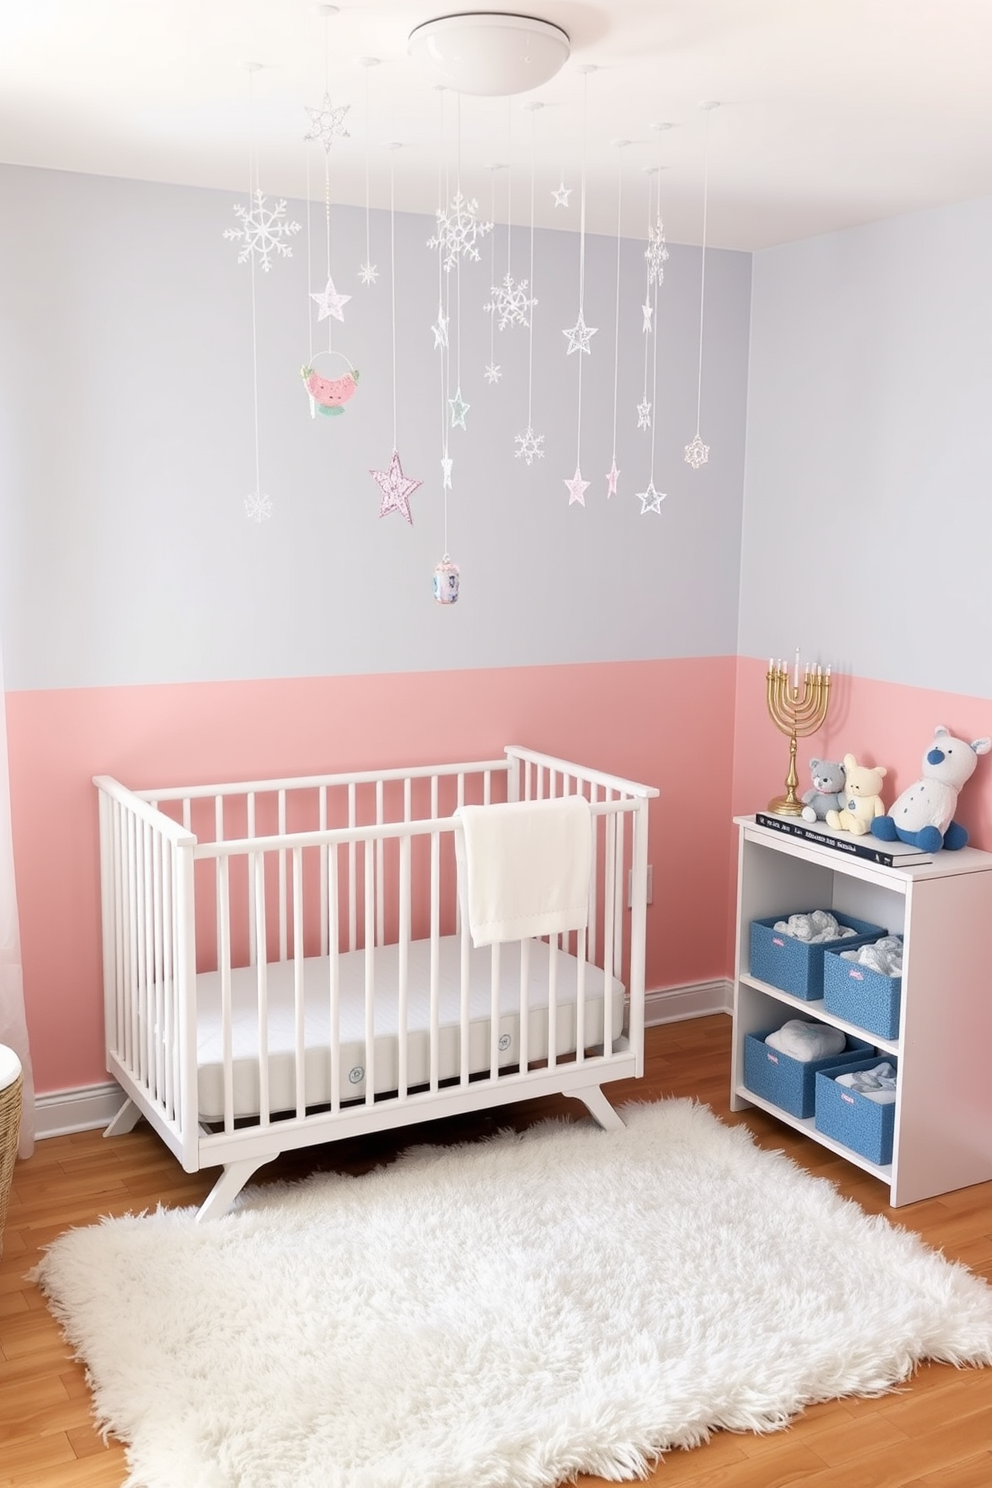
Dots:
pixel 827 793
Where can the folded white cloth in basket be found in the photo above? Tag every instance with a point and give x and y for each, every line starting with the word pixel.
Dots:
pixel 807 1041
pixel 523 868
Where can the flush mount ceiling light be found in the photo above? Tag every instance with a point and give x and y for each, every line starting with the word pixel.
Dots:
pixel 488 52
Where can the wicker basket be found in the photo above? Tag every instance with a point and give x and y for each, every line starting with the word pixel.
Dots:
pixel 10 1126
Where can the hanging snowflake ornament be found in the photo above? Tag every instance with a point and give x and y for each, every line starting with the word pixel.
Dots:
pixel 648 310
pixel 458 231
pixel 510 303
pixel 644 415
pixel 560 194
pixel 440 329
pixel 258 507
pixel 263 231
pixel 493 373
pixel 459 408
pixel 579 336
pixel 330 302
pixel 656 252
pixel 697 453
pixel 327 123
pixel 529 445
pixel 612 476
pixel 577 488
pixel 368 273
pixel 650 499
pixel 396 489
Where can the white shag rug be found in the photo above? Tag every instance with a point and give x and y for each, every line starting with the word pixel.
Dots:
pixel 502 1315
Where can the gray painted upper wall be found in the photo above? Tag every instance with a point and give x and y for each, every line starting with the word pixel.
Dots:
pixel 868 519
pixel 127 449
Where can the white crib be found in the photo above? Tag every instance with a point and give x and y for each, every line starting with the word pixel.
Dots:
pixel 285 962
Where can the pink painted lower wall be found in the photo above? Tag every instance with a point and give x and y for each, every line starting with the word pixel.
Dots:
pixel 667 723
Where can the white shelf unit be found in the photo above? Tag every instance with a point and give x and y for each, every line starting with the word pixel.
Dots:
pixel 943 908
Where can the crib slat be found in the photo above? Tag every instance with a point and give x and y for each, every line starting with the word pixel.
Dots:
pixel 609 911
pixel 380 916
pixel 463 1006
pixel 261 988
pixel 283 909
pixel 369 855
pixel 435 934
pixel 402 1030
pixel 299 1007
pixel 524 1033
pixel 494 969
pixel 552 1008
pixel 352 871
pixel 334 975
pixel 224 966
pixel 250 890
pixel 322 826
pixel 593 875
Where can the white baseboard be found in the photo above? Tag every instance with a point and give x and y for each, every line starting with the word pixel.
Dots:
pixel 64 1111
pixel 698 1000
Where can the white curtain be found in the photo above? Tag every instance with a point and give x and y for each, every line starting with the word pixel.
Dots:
pixel 13 1028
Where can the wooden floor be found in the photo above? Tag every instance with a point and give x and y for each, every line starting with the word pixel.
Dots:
pixel 937 1432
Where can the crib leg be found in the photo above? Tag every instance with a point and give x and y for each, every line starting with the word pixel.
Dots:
pixel 230 1183
pixel 126 1120
pixel 599 1108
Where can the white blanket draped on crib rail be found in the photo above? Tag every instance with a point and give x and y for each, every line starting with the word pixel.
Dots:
pixel 523 868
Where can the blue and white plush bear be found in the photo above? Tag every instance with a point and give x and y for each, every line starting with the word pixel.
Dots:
pixel 923 814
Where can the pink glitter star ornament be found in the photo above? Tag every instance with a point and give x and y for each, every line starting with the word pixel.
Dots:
pixel 577 488
pixel 396 489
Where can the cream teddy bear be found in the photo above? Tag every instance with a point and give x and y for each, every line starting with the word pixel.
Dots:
pixel 861 801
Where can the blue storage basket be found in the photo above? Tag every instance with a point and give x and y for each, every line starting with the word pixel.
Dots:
pixel 794 965
pixel 788 1082
pixel 851 1118
pixel 862 995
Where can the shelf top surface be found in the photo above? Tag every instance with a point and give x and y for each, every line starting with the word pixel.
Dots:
pixel 940 865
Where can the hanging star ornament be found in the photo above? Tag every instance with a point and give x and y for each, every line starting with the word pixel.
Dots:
pixel 656 252
pixel 612 476
pixel 263 231
pixel 577 488
pixel 648 310
pixel 459 408
pixel 579 336
pixel 330 302
pixel 697 453
pixel 650 499
pixel 440 329
pixel 493 373
pixel 561 193
pixel 368 273
pixel 258 507
pixel 327 122
pixel 530 445
pixel 396 489
pixel 644 415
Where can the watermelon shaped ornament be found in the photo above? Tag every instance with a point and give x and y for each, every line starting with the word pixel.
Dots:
pixel 328 395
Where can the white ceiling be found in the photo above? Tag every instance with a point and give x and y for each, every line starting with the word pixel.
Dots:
pixel 832 112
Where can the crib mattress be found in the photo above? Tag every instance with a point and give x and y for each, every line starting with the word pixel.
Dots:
pixel 352 1061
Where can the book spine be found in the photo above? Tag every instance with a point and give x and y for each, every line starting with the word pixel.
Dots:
pixel 852 846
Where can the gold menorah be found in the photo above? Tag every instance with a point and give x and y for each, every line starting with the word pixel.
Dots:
pixel 796 713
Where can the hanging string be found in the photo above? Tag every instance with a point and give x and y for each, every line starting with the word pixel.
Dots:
pixel 309 261
pixel 252 188
pixel 530 330
pixel 492 269
pixel 582 208
pixel 327 228
pixel 697 453
pixel 509 186
pixel 392 276
pixel 654 377
pixel 368 271
pixel 613 472
pixel 644 409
